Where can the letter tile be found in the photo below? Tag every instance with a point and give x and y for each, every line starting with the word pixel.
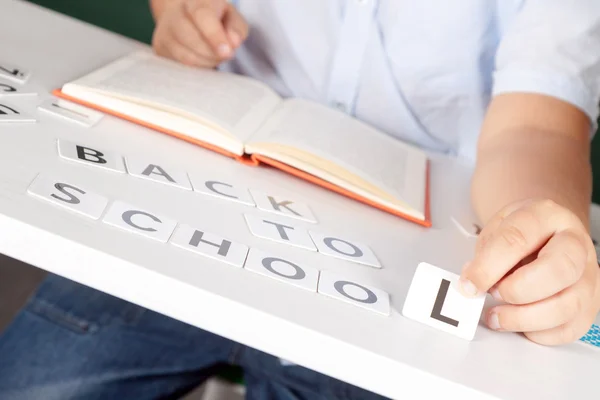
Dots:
pixel 283 270
pixel 434 300
pixel 68 195
pixel 133 219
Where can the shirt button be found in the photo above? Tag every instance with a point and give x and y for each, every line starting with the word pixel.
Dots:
pixel 339 106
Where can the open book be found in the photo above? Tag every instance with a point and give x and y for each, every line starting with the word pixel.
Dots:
pixel 243 118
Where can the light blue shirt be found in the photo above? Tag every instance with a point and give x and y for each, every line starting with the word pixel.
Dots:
pixel 424 71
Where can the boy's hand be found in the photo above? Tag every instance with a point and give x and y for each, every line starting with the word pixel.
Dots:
pixel 201 33
pixel 537 257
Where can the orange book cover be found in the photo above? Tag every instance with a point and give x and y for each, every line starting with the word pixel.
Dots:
pixel 257 159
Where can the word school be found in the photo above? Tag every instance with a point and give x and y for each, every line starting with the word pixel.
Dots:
pixel 128 217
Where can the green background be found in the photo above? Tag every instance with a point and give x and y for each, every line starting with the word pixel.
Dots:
pixel 133 18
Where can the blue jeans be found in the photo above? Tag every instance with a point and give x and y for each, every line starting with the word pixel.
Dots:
pixel 73 342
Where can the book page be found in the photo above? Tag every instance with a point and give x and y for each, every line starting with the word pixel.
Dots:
pixel 312 133
pixel 230 103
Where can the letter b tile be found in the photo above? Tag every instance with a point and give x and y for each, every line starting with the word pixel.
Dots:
pixel 434 300
pixel 90 156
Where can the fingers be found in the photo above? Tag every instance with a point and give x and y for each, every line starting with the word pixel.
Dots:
pixel 235 26
pixel 537 257
pixel 558 319
pixel 575 328
pixel 207 17
pixel 185 56
pixel 517 235
pixel 559 264
pixel 550 313
pixel 563 334
pixel 170 43
pixel 200 33
pixel 495 222
pixel 187 35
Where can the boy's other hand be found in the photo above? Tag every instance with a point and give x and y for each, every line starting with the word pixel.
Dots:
pixel 201 33
pixel 538 258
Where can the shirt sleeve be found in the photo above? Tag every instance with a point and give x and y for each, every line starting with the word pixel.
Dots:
pixel 552 47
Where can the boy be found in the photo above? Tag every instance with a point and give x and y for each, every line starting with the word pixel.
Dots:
pixel 512 86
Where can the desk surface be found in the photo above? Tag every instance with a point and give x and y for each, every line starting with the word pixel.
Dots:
pixel 390 355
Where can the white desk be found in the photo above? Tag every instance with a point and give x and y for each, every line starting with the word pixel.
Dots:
pixel 391 355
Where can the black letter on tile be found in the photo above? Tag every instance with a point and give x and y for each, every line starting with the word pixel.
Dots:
pixel 340 287
pixel 127 215
pixel 12 71
pixel 7 88
pixel 150 170
pixel 299 275
pixel 329 243
pixel 61 187
pixel 210 185
pixel 280 229
pixel 91 155
pixel 277 206
pixel 436 313
pixel 223 247
pixel 5 107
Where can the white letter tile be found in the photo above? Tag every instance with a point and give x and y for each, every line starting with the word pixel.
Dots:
pixel 279 231
pixel 136 220
pixel 92 156
pixel 434 300
pixel 282 206
pixel 13 73
pixel 350 291
pixel 68 195
pixel 71 112
pixel 345 249
pixel 10 113
pixel 210 245
pixel 10 89
pixel 158 172
pixel 220 189
pixel 283 270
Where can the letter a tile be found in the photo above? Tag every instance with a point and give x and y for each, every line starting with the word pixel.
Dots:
pixel 158 172
pixel 434 300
